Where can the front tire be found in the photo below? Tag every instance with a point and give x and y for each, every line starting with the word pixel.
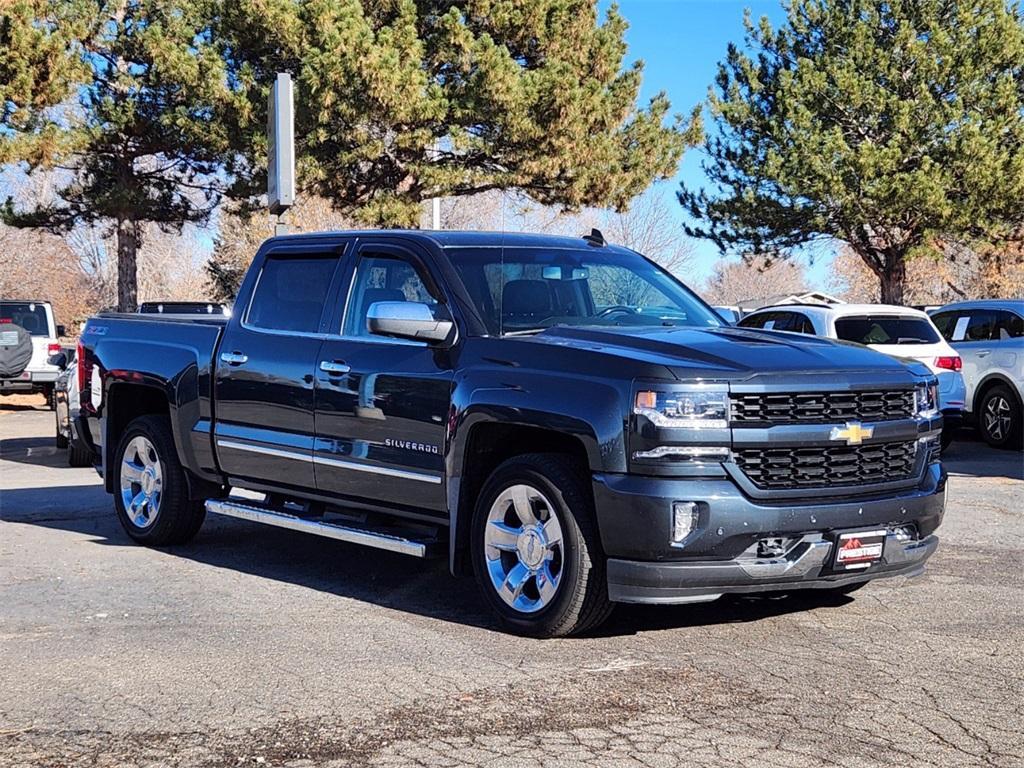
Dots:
pixel 999 418
pixel 535 548
pixel 150 489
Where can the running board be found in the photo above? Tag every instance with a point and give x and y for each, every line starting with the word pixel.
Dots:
pixel 369 538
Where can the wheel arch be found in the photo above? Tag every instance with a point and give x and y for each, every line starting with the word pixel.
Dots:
pixel 985 385
pixel 488 443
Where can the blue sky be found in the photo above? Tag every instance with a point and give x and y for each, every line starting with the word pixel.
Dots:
pixel 681 43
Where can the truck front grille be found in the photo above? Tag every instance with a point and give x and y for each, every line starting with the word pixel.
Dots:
pixel 797 407
pixel 827 467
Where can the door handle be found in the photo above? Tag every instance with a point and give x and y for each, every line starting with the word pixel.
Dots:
pixel 234 358
pixel 334 367
pixel 983 352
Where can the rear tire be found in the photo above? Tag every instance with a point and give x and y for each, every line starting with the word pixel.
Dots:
pixel 535 548
pixel 999 418
pixel 150 489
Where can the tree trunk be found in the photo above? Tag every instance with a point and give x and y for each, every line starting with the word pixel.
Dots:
pixel 127 273
pixel 893 277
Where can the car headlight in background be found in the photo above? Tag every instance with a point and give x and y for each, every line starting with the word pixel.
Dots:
pixel 926 400
pixel 697 408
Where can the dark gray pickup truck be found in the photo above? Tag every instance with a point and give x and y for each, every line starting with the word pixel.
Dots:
pixel 561 414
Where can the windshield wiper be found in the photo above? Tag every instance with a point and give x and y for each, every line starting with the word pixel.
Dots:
pixel 525 331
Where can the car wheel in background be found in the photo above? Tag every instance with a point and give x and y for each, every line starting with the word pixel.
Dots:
pixel 535 548
pixel 999 418
pixel 60 439
pixel 150 490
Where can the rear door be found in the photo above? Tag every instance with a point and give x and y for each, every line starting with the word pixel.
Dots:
pixel 264 382
pixel 382 404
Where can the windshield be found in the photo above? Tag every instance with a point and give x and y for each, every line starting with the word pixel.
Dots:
pixel 525 290
pixel 886 329
pixel 30 316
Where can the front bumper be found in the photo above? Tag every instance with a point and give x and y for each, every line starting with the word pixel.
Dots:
pixel 635 518
pixel 807 566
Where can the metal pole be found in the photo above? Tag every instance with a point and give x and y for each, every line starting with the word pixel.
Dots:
pixel 435 203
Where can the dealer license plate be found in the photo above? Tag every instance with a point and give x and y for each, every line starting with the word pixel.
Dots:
pixel 859 549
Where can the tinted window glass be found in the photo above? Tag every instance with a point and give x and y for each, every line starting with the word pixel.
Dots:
pixel 382 278
pixel 981 326
pixel 291 292
pixel 758 321
pixel 31 317
pixel 524 290
pixel 886 329
pixel 945 322
pixel 1009 325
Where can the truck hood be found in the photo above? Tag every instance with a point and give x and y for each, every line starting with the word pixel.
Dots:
pixel 727 352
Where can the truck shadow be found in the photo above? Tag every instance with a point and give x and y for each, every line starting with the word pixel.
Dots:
pixel 419 587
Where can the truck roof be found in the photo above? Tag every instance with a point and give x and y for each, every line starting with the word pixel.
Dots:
pixel 452 238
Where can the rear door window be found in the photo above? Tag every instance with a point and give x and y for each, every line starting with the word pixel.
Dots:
pixel 291 291
pixel 980 326
pixel 886 329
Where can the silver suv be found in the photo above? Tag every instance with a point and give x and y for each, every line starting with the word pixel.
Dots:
pixel 989 335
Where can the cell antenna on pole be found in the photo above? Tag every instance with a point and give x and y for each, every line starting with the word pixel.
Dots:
pixel 281 149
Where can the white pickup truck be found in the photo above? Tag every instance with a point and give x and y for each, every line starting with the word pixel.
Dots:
pixel 25 324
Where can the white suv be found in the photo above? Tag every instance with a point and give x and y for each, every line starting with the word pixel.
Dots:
pixel 989 336
pixel 892 330
pixel 36 317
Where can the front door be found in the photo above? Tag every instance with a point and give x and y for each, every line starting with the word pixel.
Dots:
pixel 264 395
pixel 382 404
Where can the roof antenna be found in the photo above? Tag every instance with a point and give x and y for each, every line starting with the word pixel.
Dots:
pixel 595 237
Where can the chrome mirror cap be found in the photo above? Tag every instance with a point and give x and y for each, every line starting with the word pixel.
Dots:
pixel 409 320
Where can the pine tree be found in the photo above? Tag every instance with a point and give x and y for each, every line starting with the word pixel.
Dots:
pixel 891 126
pixel 125 98
pixel 399 101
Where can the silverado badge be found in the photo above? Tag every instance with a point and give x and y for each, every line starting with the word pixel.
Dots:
pixel 854 433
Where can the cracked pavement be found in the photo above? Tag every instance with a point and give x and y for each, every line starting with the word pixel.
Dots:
pixel 259 646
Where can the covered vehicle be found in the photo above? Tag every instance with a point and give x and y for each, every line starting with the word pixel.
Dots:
pixel 29 335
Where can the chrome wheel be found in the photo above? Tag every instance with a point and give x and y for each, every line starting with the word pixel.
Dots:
pixel 523 548
pixel 997 417
pixel 141 482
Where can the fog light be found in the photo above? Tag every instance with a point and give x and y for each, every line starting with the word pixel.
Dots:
pixel 685 515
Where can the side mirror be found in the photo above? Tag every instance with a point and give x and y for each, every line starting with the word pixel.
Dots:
pixel 60 360
pixel 410 320
pixel 61 331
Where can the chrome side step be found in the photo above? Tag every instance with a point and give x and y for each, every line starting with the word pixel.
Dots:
pixel 369 538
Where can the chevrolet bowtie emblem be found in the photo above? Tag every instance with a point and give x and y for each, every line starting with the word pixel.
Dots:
pixel 854 433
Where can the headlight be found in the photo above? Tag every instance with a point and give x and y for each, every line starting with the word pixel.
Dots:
pixel 699 407
pixel 926 400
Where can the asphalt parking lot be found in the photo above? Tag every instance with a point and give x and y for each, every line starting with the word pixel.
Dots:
pixel 255 645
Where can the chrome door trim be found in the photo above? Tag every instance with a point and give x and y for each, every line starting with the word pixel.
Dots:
pixel 265 451
pixel 402 473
